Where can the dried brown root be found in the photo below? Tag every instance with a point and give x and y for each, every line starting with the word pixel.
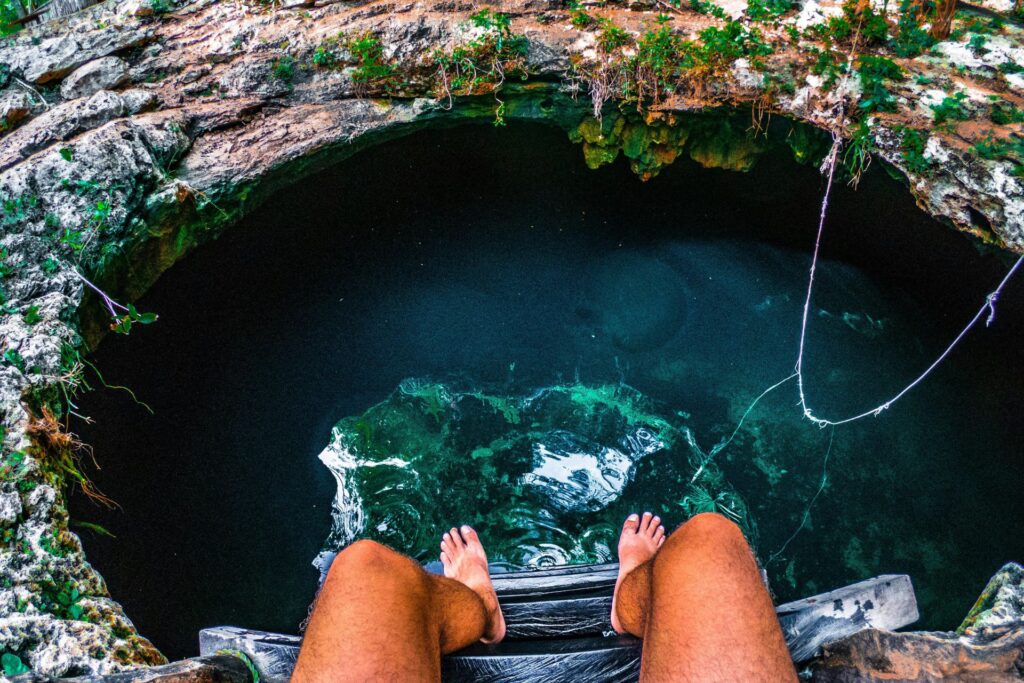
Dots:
pixel 61 451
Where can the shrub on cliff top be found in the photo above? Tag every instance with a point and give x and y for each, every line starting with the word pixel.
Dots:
pixel 483 64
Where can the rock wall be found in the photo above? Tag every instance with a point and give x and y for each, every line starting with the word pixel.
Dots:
pixel 131 135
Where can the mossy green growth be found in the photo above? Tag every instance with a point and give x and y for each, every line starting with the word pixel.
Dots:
pixel 1011 574
pixel 714 140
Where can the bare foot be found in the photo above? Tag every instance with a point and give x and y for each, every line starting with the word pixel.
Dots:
pixel 640 539
pixel 464 560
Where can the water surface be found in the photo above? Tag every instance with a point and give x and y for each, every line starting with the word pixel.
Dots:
pixel 495 260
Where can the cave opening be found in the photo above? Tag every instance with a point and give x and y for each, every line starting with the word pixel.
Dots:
pixel 493 261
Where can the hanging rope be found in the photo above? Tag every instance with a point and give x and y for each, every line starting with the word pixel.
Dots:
pixel 810 503
pixel 988 307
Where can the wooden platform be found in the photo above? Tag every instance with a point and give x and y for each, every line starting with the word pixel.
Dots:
pixel 559 630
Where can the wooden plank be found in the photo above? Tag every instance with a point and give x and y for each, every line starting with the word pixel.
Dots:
pixel 521 584
pixel 558 618
pixel 884 602
pixel 556 639
pixel 577 660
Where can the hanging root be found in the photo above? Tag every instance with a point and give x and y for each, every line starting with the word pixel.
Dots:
pixel 61 452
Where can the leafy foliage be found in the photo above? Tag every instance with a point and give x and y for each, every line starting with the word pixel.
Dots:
pixel 373 71
pixel 874 72
pixel 912 148
pixel 761 10
pixel 12 664
pixel 283 69
pixel 911 39
pixel 861 15
pixel 1004 112
pixel 951 109
pixel 483 64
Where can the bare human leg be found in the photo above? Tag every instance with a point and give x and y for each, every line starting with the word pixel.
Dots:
pixel 381 617
pixel 700 605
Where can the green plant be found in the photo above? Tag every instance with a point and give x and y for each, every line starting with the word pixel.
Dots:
pixel 871 25
pixel 857 157
pixel 283 69
pixel 912 146
pixel 14 210
pixel 160 6
pixel 12 357
pixel 709 8
pixel 611 37
pixel 951 108
pixel 372 70
pixel 834 30
pixel 829 65
pixel 483 64
pixel 12 664
pixel 579 17
pixel 761 10
pixel 874 72
pixel 1004 112
pixel 1010 149
pixel 324 56
pixel 31 315
pixel 101 530
pixel 910 40
pixel 67 153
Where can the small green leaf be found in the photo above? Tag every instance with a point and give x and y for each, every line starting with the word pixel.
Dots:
pixel 67 153
pixel 31 315
pixel 75 611
pixel 12 664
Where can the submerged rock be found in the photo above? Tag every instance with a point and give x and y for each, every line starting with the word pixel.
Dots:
pixel 575 475
pixel 543 477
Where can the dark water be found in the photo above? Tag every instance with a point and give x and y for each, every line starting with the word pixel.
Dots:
pixel 455 254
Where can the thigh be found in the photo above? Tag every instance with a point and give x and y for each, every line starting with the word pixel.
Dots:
pixel 711 617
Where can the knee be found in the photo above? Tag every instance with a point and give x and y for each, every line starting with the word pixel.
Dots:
pixel 708 529
pixel 714 525
pixel 363 557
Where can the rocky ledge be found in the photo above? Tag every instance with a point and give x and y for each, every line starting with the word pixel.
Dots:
pixel 137 129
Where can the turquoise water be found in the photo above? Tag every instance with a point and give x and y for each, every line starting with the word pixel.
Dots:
pixel 497 307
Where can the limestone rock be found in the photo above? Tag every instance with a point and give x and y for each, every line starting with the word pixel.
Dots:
pixel 105 73
pixel 1000 607
pixel 15 105
pixel 988 647
pixel 10 506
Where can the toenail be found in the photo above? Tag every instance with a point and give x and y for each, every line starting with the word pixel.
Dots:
pixel 633 517
pixel 466 529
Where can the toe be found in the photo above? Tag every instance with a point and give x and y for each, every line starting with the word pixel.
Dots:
pixel 631 523
pixel 659 534
pixel 655 524
pixel 661 542
pixel 444 559
pixel 456 539
pixel 645 522
pixel 469 535
pixel 444 546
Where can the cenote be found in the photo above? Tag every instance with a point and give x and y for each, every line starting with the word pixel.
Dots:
pixel 452 276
